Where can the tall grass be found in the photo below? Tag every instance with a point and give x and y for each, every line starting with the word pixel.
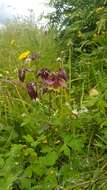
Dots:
pixel 59 141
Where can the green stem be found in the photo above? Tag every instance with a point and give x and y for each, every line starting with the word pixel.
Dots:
pixel 50 104
pixel 82 95
pixel 70 73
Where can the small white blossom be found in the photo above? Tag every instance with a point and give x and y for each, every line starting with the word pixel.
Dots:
pixel 83 110
pixel 27 60
pixel 59 59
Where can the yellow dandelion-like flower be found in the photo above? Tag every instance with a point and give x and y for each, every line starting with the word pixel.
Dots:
pixel 99 9
pixel 24 55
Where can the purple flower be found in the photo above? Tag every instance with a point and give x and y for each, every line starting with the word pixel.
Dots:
pixel 54 81
pixel 32 90
pixel 43 73
pixel 21 74
pixel 62 74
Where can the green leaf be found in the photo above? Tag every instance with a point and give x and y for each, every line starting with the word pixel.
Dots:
pixel 77 144
pixel 39 169
pixel 51 158
pixel 25 183
pixel 45 148
pixel 65 149
pixel 50 182
pixel 7 182
pixel 29 139
pixel 28 172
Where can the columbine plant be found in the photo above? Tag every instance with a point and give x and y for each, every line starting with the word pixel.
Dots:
pixel 49 80
pixel 53 80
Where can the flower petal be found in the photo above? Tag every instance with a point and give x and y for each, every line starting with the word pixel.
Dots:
pixel 21 75
pixel 24 55
pixel 43 73
pixel 62 74
pixel 32 90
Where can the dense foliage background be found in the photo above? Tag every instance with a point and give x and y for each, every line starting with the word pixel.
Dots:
pixel 58 141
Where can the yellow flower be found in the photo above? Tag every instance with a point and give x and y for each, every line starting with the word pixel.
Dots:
pixel 24 55
pixel 99 9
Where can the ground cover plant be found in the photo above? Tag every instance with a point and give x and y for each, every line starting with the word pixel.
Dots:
pixel 53 100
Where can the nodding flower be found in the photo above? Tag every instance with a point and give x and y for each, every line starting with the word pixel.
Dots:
pixel 32 90
pixel 62 74
pixel 43 73
pixel 54 81
pixel 22 73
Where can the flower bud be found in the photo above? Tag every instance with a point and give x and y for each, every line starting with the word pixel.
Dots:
pixel 21 75
pixel 32 90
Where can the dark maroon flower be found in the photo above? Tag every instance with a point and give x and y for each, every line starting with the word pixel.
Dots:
pixel 32 90
pixel 54 81
pixel 62 74
pixel 43 73
pixel 21 74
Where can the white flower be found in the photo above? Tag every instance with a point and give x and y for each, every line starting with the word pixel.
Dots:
pixel 27 60
pixel 59 59
pixel 83 110
pixel 75 112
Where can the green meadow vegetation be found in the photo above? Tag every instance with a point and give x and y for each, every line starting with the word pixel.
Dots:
pixel 53 100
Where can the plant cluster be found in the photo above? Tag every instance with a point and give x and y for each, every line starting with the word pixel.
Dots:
pixel 49 80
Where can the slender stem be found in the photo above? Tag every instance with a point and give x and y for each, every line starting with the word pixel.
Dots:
pixel 82 95
pixel 70 69
pixel 50 104
pixel 61 100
